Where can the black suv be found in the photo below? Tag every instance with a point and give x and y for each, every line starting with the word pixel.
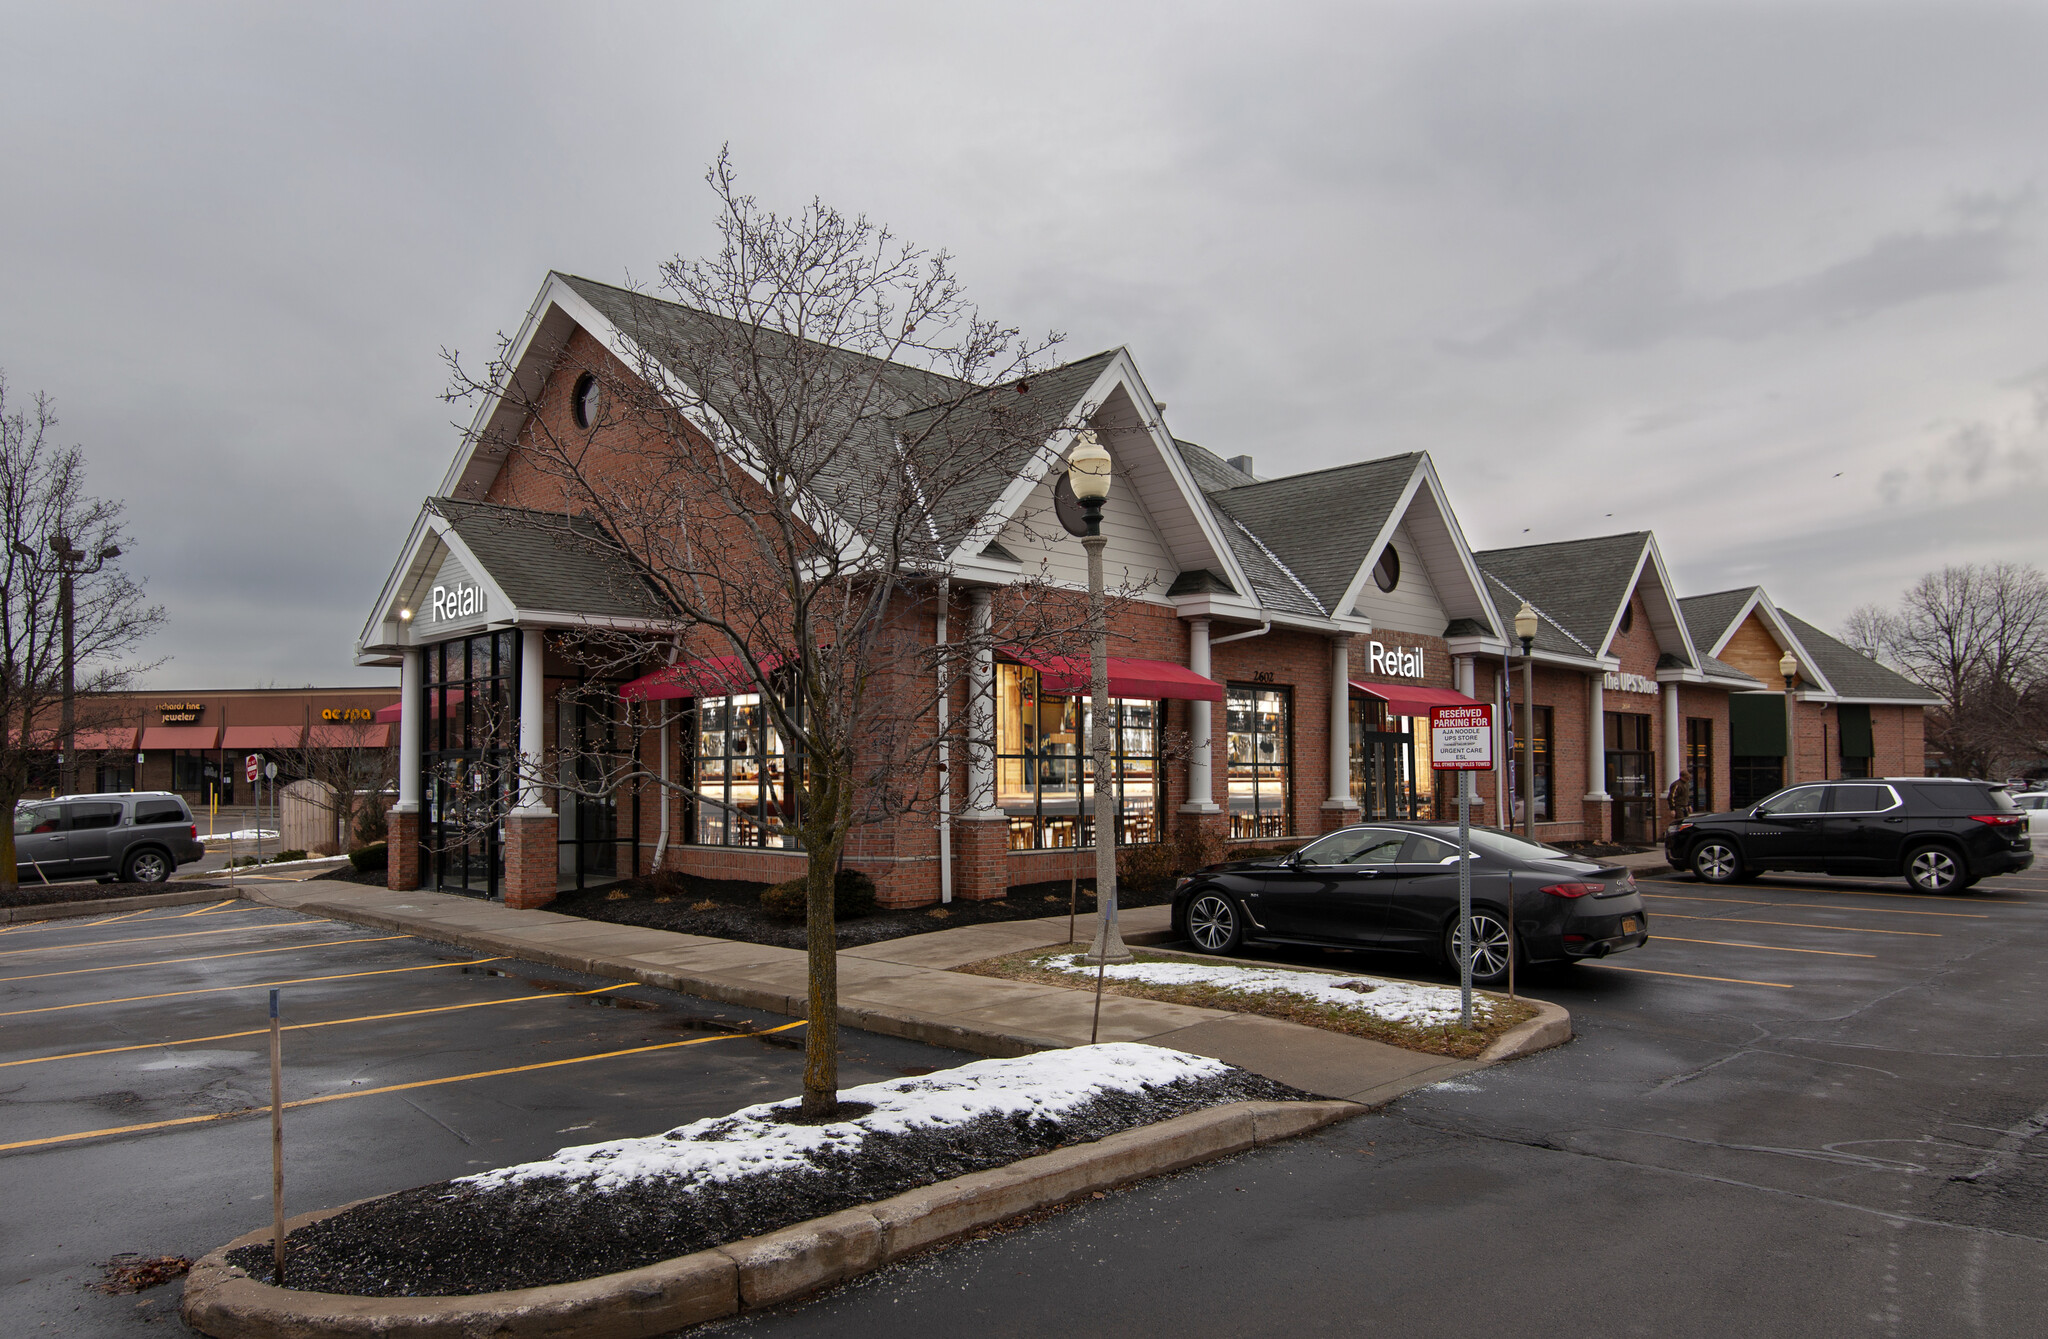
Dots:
pixel 1941 833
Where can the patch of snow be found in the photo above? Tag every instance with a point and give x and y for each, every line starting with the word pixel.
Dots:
pixel 1453 1086
pixel 751 1140
pixel 240 835
pixel 1375 997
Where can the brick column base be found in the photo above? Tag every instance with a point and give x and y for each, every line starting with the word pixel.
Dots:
pixel 1597 819
pixel 1333 817
pixel 531 861
pixel 402 848
pixel 1201 838
pixel 981 857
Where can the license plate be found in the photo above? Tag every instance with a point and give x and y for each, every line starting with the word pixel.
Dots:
pixel 1628 925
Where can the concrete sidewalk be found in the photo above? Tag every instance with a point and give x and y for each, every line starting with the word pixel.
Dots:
pixel 906 988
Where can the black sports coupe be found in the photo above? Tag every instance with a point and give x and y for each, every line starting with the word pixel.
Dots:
pixel 1395 886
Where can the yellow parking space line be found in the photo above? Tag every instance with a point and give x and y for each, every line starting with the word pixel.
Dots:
pixel 390 1088
pixel 207 957
pixel 1823 906
pixel 253 985
pixel 299 1027
pixel 1690 976
pixel 1770 948
pixel 1797 925
pixel 232 911
pixel 184 934
pixel 124 916
pixel 203 910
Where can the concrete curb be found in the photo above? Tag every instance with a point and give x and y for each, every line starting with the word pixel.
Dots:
pixel 50 911
pixel 226 1303
pixel 1552 1026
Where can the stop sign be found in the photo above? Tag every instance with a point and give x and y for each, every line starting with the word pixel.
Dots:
pixel 255 760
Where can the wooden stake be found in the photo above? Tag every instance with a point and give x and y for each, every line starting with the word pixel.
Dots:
pixel 1073 897
pixel 277 1136
pixel 1101 965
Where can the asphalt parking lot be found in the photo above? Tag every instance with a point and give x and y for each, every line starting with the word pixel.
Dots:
pixel 1809 1107
pixel 134 1071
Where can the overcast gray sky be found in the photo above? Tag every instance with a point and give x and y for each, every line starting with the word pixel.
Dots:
pixel 1766 279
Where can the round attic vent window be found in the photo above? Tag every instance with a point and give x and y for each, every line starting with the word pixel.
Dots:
pixel 1386 573
pixel 583 402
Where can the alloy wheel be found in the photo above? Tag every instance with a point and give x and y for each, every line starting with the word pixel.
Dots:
pixel 147 867
pixel 1715 863
pixel 1934 870
pixel 1489 946
pixel 1212 923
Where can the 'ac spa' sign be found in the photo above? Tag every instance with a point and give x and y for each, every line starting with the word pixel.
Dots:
pixel 1401 662
pixel 347 714
pixel 1631 683
pixel 464 600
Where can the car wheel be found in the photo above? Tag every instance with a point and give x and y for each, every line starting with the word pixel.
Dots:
pixel 147 867
pixel 1717 861
pixel 1214 925
pixel 1934 869
pixel 1489 947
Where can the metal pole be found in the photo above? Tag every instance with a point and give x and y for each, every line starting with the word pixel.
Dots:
pixel 1109 944
pixel 1465 898
pixel 277 1136
pixel 67 771
pixel 1528 746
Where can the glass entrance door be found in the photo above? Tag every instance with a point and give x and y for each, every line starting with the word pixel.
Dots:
pixel 1382 763
pixel 1631 773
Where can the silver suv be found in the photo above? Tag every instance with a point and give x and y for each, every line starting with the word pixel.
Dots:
pixel 140 837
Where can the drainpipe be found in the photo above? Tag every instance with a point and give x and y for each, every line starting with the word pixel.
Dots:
pixel 661 836
pixel 945 754
pixel 1261 631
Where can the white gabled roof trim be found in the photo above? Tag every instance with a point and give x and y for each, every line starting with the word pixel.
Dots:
pixel 1759 602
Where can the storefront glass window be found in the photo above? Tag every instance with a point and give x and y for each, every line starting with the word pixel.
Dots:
pixel 1261 772
pixel 468 755
pixel 1045 774
pixel 1541 748
pixel 746 790
pixel 1699 762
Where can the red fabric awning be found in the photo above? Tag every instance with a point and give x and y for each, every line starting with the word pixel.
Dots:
pixel 348 735
pixel 238 737
pixel 709 676
pixel 1406 700
pixel 1128 677
pixel 180 737
pixel 392 714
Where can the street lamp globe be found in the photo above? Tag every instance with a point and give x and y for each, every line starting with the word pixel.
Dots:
pixel 1788 665
pixel 1525 626
pixel 1088 467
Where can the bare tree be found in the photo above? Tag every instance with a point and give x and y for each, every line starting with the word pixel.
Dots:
pixel 794 444
pixel 356 773
pixel 1976 636
pixel 44 506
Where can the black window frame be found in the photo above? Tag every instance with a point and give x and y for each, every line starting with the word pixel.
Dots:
pixel 1259 828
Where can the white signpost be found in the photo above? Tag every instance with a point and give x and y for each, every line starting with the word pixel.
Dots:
pixel 1461 741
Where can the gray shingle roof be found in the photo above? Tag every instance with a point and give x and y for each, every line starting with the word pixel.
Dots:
pixel 1708 616
pixel 1550 635
pixel 1579 584
pixel 1212 472
pixel 548 561
pixel 1321 525
pixel 963 442
pixel 1852 673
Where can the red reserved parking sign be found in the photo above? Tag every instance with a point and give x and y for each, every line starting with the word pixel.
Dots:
pixel 1461 738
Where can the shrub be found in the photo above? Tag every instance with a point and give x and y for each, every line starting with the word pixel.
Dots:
pixel 1148 868
pixel 853 895
pixel 372 857
pixel 287 855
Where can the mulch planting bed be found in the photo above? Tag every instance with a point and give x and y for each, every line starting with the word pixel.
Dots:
pixel 42 895
pixel 728 909
pixel 454 1239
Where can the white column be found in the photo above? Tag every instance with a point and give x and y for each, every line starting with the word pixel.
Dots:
pixel 1340 724
pixel 533 699
pixel 981 707
pixel 1596 737
pixel 1464 679
pixel 412 727
pixel 1201 789
pixel 1674 742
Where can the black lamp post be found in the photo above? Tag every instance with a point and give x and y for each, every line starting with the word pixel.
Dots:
pixel 1525 633
pixel 69 564
pixel 1788 666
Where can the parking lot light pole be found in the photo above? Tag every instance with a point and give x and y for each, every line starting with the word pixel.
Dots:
pixel 68 568
pixel 1788 666
pixel 1088 467
pixel 1525 633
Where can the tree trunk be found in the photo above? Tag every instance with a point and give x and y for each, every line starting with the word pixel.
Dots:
pixel 824 831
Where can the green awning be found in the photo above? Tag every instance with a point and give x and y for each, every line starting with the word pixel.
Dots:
pixel 1756 725
pixel 1855 721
